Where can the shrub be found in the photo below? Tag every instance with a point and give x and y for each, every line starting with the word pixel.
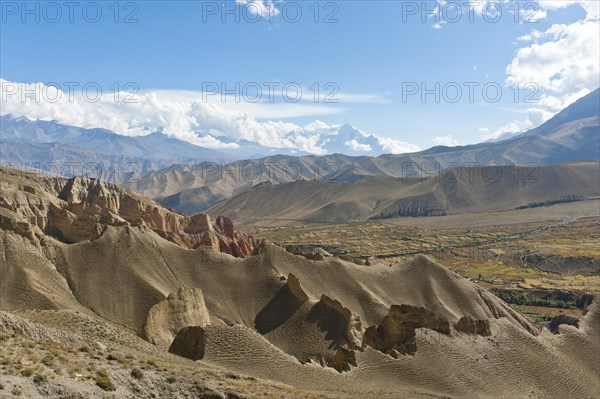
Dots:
pixel 39 379
pixel 103 381
pixel 137 374
pixel 28 372
pixel 543 317
pixel 47 361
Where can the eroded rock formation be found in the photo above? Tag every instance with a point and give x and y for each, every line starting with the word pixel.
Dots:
pixel 342 360
pixel 287 301
pixel 563 319
pixel 190 342
pixel 79 209
pixel 184 308
pixel 342 326
pixel 396 333
pixel 470 325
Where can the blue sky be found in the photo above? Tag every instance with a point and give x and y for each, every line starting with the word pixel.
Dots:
pixel 371 54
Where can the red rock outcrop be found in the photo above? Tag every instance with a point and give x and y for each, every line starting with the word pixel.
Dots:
pixel 78 209
pixel 225 225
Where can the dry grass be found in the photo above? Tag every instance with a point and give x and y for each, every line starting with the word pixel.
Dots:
pixel 44 363
pixel 492 253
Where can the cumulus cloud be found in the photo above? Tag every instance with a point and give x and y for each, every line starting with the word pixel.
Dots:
pixel 562 62
pixel 453 11
pixel 179 114
pixel 358 147
pixel 262 8
pixel 438 25
pixel 133 115
pixel 447 141
pixel 394 146
pixel 563 59
pixel 547 107
pixel 316 125
pixel 591 7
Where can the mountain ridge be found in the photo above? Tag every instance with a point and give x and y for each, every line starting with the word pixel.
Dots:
pixel 455 191
pixel 572 135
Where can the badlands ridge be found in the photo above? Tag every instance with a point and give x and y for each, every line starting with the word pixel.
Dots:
pixel 198 295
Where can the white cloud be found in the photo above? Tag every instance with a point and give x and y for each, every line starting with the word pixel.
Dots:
pixel 183 115
pixel 262 8
pixel 511 128
pixel 278 108
pixel 447 141
pixel 591 7
pixel 316 125
pixel 394 146
pixel 209 141
pixel 438 25
pixel 358 147
pixel 563 62
pixel 548 106
pixel 563 59
pixel 355 98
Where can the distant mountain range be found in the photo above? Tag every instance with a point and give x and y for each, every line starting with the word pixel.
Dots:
pixel 457 190
pixel 571 135
pixel 31 144
pixel 344 139
pixel 52 147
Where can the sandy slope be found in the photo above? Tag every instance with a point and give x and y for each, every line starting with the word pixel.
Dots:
pixel 456 191
pixel 285 318
pixel 512 362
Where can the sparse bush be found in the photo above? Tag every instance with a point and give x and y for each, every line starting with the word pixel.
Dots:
pixel 104 382
pixel 112 357
pixel 137 374
pixel 543 317
pixel 28 372
pixel 39 379
pixel 47 361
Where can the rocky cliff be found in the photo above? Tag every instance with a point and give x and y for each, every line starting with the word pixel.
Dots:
pixel 80 208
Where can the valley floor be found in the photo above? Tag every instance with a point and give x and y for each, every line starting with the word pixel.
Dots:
pixel 554 248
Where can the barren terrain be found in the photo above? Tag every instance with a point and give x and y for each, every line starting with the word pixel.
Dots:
pixel 104 293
